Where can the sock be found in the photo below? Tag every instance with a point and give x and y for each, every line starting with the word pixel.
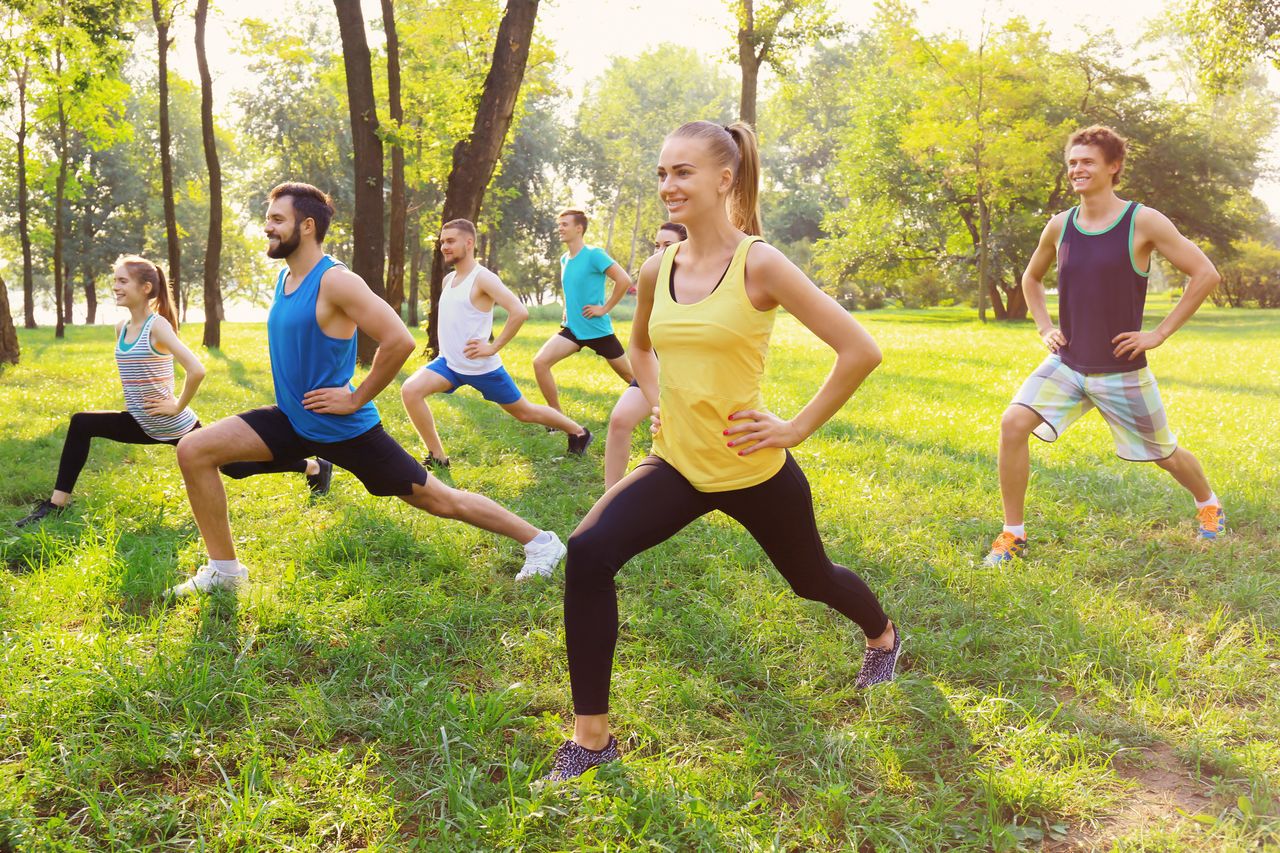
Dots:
pixel 1212 501
pixel 1018 530
pixel 227 567
pixel 541 539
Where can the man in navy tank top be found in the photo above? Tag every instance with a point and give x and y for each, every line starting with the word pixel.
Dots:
pixel 1097 357
pixel 311 335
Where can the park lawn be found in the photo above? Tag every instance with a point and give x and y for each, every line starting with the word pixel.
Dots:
pixel 384 684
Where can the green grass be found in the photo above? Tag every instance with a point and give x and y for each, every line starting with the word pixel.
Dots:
pixel 386 685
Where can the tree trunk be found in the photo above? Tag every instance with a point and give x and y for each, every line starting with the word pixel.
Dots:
pixel 90 294
pixel 9 350
pixel 367 230
pixel 613 217
pixel 1016 305
pixel 213 247
pixel 24 223
pixel 398 224
pixel 749 62
pixel 984 250
pixel 166 154
pixel 474 157
pixel 59 283
pixel 997 302
pixel 415 263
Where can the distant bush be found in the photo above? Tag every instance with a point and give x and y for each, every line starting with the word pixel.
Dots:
pixel 1251 278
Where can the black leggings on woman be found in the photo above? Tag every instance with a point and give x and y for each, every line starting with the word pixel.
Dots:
pixel 650 506
pixel 124 428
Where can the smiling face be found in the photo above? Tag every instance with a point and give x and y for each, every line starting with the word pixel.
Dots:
pixel 690 182
pixel 284 232
pixel 1088 169
pixel 128 291
pixel 455 245
pixel 568 228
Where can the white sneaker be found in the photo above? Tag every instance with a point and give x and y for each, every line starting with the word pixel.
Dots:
pixel 540 560
pixel 207 579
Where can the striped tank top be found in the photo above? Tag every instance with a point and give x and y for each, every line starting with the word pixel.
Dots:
pixel 145 374
pixel 712 362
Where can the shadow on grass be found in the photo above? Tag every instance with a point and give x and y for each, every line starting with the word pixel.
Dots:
pixel 237 372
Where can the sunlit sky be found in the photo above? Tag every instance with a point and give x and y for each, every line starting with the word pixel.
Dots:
pixel 588 33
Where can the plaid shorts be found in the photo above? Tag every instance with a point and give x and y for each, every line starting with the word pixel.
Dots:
pixel 1129 402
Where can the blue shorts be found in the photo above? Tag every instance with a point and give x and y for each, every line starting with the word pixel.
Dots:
pixel 497 386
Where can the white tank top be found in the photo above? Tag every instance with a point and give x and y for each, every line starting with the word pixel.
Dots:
pixel 461 321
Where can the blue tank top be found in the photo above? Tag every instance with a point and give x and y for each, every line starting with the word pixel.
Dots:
pixel 1101 293
pixel 304 358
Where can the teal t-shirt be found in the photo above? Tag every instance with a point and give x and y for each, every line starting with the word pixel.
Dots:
pixel 583 280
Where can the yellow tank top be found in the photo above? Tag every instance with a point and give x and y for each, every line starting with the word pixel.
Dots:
pixel 710 362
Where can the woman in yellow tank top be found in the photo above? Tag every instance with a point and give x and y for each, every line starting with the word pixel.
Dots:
pixel 707 305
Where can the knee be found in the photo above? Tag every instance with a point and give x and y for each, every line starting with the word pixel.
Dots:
pixel 440 500
pixel 192 451
pixel 542 363
pixel 1017 424
pixel 412 391
pixel 79 423
pixel 1170 462
pixel 587 561
pixel 525 415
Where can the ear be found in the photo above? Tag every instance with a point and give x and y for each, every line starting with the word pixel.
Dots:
pixel 726 180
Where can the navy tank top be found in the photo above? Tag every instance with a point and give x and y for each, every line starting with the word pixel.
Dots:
pixel 1101 293
pixel 304 358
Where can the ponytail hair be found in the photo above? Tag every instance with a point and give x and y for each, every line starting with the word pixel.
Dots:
pixel 143 271
pixel 734 146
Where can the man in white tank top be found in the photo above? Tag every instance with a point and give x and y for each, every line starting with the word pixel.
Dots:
pixel 466 355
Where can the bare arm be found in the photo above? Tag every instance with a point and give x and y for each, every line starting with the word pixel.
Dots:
pixel 165 339
pixel 347 293
pixel 644 364
pixel 517 314
pixel 621 284
pixel 856 353
pixel 1033 282
pixel 1165 238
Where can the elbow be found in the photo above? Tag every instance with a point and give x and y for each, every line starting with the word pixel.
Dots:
pixel 521 314
pixel 1212 280
pixel 197 373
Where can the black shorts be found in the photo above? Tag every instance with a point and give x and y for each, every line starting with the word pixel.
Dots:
pixel 606 347
pixel 377 460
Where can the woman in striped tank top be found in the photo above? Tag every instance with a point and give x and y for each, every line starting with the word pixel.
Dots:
pixel 146 346
pixel 707 304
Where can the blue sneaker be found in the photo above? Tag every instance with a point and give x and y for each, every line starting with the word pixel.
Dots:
pixel 1213 521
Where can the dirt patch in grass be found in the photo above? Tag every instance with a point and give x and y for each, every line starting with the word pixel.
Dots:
pixel 1166 791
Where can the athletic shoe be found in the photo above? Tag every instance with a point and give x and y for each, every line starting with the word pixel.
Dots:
pixel 1005 548
pixel 540 560
pixel 572 760
pixel 434 463
pixel 1213 521
pixel 319 482
pixel 39 511
pixel 207 579
pixel 878 664
pixel 578 444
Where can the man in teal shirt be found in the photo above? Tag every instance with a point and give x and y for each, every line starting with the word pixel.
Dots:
pixel 583 270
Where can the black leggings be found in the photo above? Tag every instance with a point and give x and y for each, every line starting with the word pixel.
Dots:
pixel 124 428
pixel 650 506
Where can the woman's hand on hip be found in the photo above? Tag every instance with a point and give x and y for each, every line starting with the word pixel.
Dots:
pixel 765 429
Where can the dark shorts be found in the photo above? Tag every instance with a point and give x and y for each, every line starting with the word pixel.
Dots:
pixel 606 347
pixel 377 460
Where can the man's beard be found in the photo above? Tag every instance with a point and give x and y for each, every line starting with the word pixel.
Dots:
pixel 284 248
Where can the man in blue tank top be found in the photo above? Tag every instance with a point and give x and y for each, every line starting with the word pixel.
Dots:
pixel 311 335
pixel 1097 358
pixel 583 272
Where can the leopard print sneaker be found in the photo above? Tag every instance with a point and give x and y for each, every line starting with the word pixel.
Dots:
pixel 572 760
